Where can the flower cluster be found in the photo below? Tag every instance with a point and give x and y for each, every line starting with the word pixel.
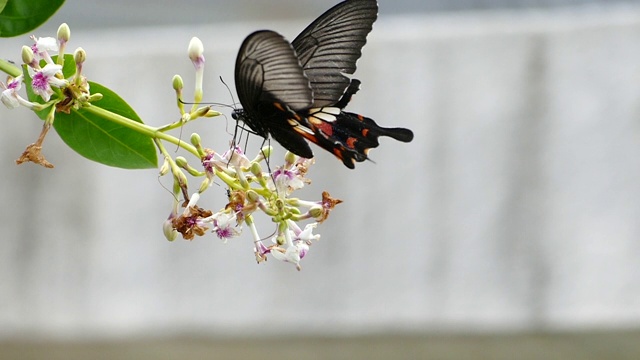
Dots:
pixel 44 78
pixel 251 190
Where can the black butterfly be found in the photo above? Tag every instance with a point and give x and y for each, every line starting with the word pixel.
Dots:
pixel 297 91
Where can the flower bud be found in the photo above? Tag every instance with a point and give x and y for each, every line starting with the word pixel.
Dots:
pixel 256 170
pixel 64 33
pixel 95 97
pixel 164 169
pixel 202 111
pixel 182 162
pixel 181 178
pixel 177 82
pixel 317 212
pixel 289 158
pixel 79 56
pixel 243 179
pixel 196 50
pixel 252 196
pixel 212 113
pixel 195 139
pixel 205 185
pixel 27 55
pixel 169 232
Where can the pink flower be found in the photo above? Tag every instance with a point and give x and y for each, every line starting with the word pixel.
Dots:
pixel 223 225
pixel 44 79
pixel 10 95
pixel 292 254
pixel 232 158
pixel 43 46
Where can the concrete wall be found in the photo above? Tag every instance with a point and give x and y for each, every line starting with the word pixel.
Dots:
pixel 516 206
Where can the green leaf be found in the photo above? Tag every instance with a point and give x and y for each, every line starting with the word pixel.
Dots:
pixel 103 141
pixel 69 66
pixel 18 17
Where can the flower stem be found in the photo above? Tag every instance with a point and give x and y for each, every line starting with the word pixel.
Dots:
pixel 9 68
pixel 150 131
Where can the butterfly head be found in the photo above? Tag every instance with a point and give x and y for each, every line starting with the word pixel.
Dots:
pixel 237 114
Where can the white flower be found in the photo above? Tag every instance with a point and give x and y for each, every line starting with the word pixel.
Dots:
pixel 293 254
pixel 196 50
pixel 307 235
pixel 223 225
pixel 232 158
pixel 261 251
pixel 9 100
pixel 43 46
pixel 43 79
pixel 192 203
pixel 10 97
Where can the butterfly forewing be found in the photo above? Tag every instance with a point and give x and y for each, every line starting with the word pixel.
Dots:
pixel 272 86
pixel 331 45
pixel 268 70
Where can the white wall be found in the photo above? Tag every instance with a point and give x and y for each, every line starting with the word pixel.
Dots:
pixel 516 206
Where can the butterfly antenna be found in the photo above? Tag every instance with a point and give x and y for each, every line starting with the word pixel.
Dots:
pixel 229 90
pixel 167 189
pixel 267 141
pixel 268 236
pixel 179 139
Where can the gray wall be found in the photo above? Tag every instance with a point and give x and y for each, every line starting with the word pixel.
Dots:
pixel 94 14
pixel 516 206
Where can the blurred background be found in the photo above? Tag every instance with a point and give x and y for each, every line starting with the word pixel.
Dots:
pixel 507 229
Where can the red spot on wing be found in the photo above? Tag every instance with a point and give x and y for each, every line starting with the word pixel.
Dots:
pixel 351 142
pixel 325 128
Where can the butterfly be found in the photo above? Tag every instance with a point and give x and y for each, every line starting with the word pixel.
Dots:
pixel 297 91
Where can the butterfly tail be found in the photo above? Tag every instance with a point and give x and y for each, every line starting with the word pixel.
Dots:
pixel 374 130
pixel 363 132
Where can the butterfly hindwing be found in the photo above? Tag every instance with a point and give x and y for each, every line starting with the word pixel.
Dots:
pixel 348 136
pixel 283 127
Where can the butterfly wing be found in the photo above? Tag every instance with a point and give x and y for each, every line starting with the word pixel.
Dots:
pixel 272 88
pixel 331 45
pixel 328 49
pixel 267 72
pixel 346 135
pixel 297 95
